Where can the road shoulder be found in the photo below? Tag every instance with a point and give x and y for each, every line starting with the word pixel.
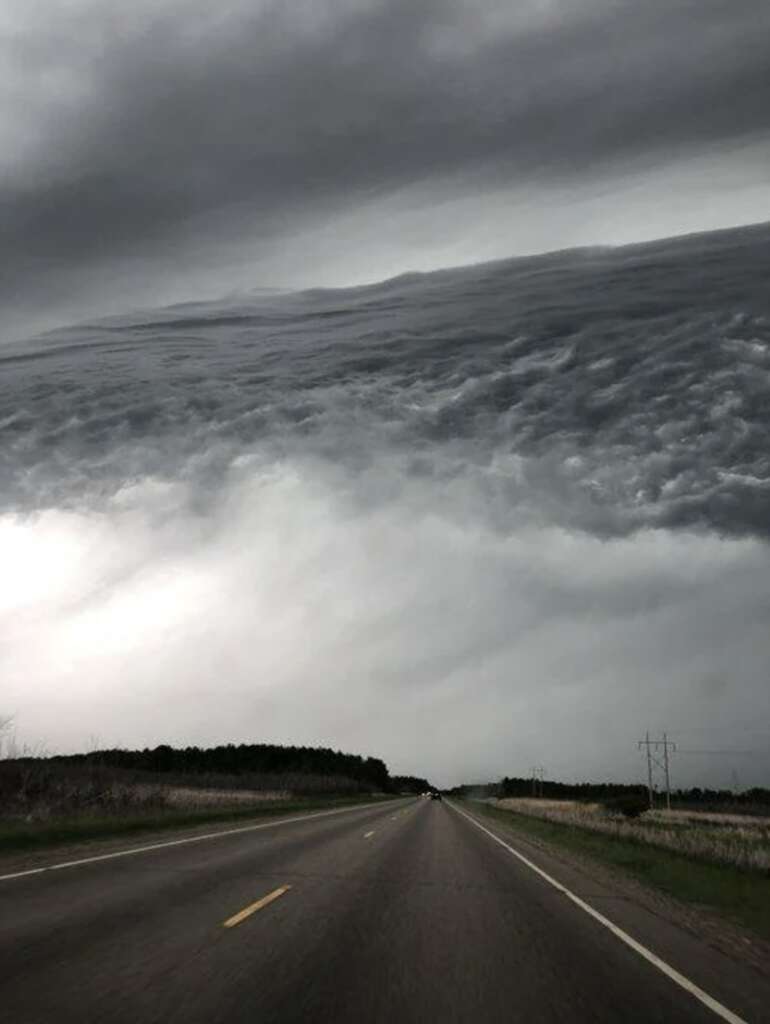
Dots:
pixel 717 955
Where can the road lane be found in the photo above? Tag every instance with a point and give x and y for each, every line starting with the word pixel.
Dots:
pixel 438 927
pixel 426 919
pixel 685 983
pixel 135 917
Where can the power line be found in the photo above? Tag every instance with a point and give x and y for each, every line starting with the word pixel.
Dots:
pixel 731 753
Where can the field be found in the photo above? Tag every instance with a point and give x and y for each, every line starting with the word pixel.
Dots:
pixel 737 840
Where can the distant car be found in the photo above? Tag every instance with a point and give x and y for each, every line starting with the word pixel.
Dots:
pixel 435 795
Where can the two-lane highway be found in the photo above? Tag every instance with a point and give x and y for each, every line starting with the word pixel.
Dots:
pixel 405 911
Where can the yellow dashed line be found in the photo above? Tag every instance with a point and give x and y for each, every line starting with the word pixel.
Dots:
pixel 231 922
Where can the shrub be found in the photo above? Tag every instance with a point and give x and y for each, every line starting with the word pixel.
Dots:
pixel 630 805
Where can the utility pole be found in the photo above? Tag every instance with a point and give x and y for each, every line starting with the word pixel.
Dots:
pixel 668 780
pixel 646 743
pixel 537 781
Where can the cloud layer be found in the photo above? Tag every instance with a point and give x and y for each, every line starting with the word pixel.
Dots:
pixel 466 521
pixel 177 139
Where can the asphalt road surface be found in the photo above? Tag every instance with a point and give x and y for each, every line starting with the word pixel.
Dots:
pixel 402 912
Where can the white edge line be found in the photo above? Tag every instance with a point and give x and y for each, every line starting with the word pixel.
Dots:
pixel 368 835
pixel 685 983
pixel 181 842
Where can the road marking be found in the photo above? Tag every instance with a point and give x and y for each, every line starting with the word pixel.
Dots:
pixel 231 922
pixel 181 842
pixel 368 835
pixel 672 973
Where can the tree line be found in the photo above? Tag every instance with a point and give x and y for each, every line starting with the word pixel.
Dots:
pixel 371 773
pixel 603 791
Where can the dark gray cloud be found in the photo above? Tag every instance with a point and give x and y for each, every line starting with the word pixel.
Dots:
pixel 168 132
pixel 470 520
pixel 605 390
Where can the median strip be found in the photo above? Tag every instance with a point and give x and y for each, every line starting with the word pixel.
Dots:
pixel 231 922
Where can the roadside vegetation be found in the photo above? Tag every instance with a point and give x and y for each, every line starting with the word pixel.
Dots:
pixel 19 836
pixel 734 840
pixel 51 800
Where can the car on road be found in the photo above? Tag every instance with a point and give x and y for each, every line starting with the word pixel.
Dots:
pixel 435 795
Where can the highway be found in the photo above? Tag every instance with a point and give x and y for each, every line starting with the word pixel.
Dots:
pixel 407 911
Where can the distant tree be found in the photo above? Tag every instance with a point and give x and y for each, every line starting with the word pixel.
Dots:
pixel 6 732
pixel 409 784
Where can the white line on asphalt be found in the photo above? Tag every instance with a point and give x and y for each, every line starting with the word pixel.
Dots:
pixel 181 842
pixel 685 983
pixel 368 835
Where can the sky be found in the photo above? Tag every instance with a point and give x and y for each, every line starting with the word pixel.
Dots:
pixel 162 150
pixel 468 522
pixel 567 457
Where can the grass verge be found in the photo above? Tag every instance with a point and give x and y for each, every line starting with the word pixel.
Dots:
pixel 741 896
pixel 18 837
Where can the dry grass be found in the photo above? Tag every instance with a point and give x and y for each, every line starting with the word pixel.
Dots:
pixel 708 818
pixel 192 798
pixel 741 841
pixel 35 790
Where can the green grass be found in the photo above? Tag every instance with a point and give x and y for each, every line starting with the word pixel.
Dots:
pixel 22 836
pixel 741 896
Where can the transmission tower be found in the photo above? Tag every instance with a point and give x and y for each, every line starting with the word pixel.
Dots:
pixel 651 749
pixel 537 781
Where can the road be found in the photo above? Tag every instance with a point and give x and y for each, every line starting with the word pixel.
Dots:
pixel 403 912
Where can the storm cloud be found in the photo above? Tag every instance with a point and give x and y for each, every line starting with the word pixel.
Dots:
pixel 468 521
pixel 151 147
pixel 294 490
